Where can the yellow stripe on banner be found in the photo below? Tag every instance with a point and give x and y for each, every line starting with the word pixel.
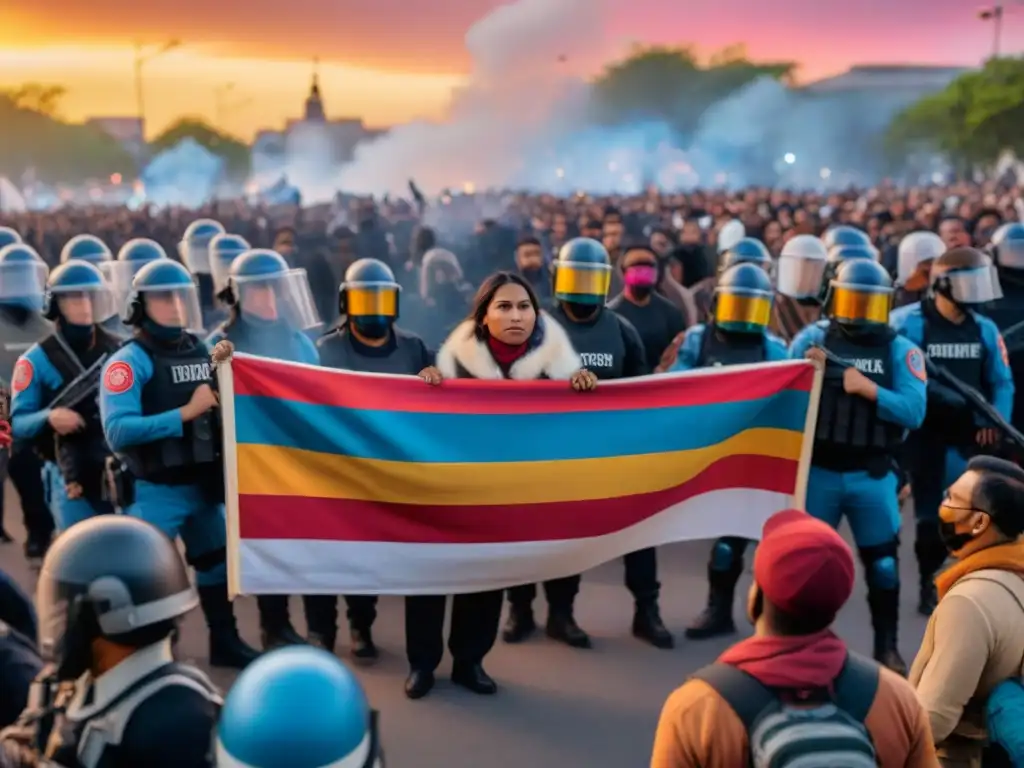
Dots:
pixel 268 470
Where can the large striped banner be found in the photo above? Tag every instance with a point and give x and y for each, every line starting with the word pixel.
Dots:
pixel 355 483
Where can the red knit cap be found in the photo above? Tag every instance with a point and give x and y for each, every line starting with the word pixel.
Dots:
pixel 803 566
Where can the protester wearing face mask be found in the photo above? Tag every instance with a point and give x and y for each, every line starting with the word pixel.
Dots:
pixel 531 266
pixel 654 317
pixel 973 639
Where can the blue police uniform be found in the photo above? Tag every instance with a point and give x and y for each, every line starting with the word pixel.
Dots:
pixel 63 371
pixel 176 465
pixel 701 350
pixel 856 440
pixel 93 250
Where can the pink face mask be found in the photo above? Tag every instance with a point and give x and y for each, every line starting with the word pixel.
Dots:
pixel 641 276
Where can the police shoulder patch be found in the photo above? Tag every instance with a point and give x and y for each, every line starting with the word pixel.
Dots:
pixel 23 373
pixel 1002 349
pixel 915 362
pixel 119 377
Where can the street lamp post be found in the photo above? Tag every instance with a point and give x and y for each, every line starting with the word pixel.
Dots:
pixel 995 15
pixel 141 57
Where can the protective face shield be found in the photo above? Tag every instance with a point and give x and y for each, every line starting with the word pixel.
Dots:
pixel 1009 249
pixel 194 247
pixel 915 249
pixel 800 270
pixel 969 286
pixel 282 297
pixel 133 256
pixel 77 292
pixel 861 294
pixel 582 282
pixel 743 300
pixel 730 234
pixel 173 307
pixel 22 278
pixel 224 249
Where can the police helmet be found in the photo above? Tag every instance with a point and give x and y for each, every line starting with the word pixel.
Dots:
pixel 224 249
pixel 8 236
pixel 915 249
pixel 86 248
pixel 749 250
pixel 369 293
pixel 860 294
pixel 582 272
pixel 966 276
pixel 264 289
pixel 1008 246
pixel 22 277
pixel 77 291
pixel 111 576
pixel 845 235
pixel 133 256
pixel 743 299
pixel 261 725
pixel 194 247
pixel 731 233
pixel 164 292
pixel 800 271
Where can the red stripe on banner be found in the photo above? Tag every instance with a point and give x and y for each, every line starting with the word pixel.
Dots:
pixel 269 378
pixel 298 517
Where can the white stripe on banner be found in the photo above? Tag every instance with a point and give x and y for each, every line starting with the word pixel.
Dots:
pixel 290 567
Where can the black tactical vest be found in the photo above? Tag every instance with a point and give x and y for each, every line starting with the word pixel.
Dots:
pixel 195 456
pixel 720 348
pixel 600 344
pixel 404 357
pixel 277 341
pixel 850 435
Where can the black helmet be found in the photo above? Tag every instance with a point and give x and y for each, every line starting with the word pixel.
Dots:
pixel 966 276
pixel 860 293
pixel 110 576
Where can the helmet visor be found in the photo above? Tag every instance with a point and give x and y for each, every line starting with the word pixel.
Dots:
pixel 174 306
pixel 23 281
pixel 799 278
pixel 583 283
pixel 195 255
pixel 371 300
pixel 220 268
pixel 742 310
pixel 85 305
pixel 1010 254
pixel 119 274
pixel 974 286
pixel 284 296
pixel 858 305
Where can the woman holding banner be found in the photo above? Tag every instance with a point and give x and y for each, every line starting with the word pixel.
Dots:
pixel 506 336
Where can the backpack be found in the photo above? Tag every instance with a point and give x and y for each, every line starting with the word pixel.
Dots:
pixel 783 736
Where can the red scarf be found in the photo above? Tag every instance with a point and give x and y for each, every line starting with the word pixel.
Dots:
pixel 801 663
pixel 505 354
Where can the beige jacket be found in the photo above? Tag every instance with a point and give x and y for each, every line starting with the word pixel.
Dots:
pixel 974 641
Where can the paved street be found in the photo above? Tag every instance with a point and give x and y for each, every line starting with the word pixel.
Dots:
pixel 557 707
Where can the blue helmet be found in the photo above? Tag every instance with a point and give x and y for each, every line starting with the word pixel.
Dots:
pixel 263 288
pixel 133 256
pixel 743 299
pixel 861 293
pixel 747 251
pixel 8 236
pixel 86 248
pixel 583 272
pixel 22 277
pixel 369 294
pixel 77 291
pixel 224 249
pixel 297 707
pixel 194 247
pixel 844 234
pixel 1008 246
pixel 164 292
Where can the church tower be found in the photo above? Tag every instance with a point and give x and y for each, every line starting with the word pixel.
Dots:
pixel 314 104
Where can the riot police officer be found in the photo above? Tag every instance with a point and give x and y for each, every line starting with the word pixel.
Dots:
pixel 110 592
pixel 270 307
pixel 737 335
pixel 1007 247
pixel 22 289
pixel 91 249
pixel 8 236
pixel 223 250
pixel 133 256
pixel 844 234
pixel 969 346
pixel 914 257
pixel 299 707
pixel 54 390
pixel 194 250
pixel 611 348
pixel 868 402
pixel 749 250
pixel 367 340
pixel 799 276
pixel 156 403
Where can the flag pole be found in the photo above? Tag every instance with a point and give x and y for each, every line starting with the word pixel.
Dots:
pixel 803 471
pixel 226 387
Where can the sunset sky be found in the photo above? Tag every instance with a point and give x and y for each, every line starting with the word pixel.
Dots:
pixel 389 61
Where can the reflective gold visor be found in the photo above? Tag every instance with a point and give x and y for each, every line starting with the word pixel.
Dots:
pixel 593 281
pixel 853 305
pixel 747 309
pixel 371 302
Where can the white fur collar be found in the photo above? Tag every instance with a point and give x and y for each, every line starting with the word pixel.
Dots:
pixel 554 358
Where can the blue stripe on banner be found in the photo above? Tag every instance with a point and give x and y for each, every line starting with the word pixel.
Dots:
pixel 487 438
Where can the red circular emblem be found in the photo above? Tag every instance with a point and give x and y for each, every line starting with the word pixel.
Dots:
pixel 119 377
pixel 22 375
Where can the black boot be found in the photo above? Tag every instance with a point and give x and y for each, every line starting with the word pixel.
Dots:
pixel 648 626
pixel 227 649
pixel 520 624
pixel 562 626
pixel 931 555
pixel 885 614
pixel 716 618
pixel 362 648
pixel 474 678
pixel 276 628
